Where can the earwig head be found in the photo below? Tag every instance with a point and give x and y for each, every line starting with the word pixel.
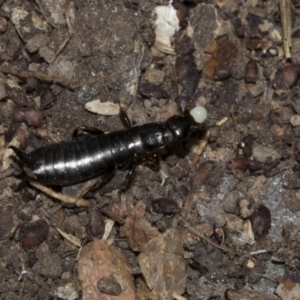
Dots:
pixel 181 127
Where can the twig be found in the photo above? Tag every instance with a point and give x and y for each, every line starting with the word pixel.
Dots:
pixel 59 196
pixel 286 21
pixel 266 277
pixel 190 229
pixel 70 30
pixel 199 150
pixel 54 78
pixel 44 77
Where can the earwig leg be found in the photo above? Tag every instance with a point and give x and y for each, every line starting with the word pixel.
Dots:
pixel 91 130
pixel 128 179
pixel 124 119
pixel 29 173
pixel 152 162
pixel 125 166
pixel 103 180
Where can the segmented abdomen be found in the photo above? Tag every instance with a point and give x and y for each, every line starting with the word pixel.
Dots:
pixel 89 156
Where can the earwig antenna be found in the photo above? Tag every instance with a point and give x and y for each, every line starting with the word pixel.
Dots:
pixel 21 155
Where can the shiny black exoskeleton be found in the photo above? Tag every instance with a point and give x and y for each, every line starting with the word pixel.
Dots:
pixel 93 155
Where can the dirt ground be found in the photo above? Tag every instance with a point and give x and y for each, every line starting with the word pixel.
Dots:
pixel 220 218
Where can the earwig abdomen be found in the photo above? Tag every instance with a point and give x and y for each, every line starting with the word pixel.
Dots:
pixel 90 156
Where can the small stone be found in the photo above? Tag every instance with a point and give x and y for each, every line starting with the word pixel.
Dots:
pixel 53 11
pixel 245 208
pixel 48 264
pixel 9 221
pixel 162 256
pixel 220 220
pixel 101 262
pixel 63 67
pixel 67 292
pixel 137 230
pixel 2 91
pixel 262 153
pixel 295 120
pixel 109 285
pixel 37 42
pixel 257 89
pixel 154 76
pixel 277 130
pixel 234 223
pixel 33 234
pixel 47 54
pixel 295 49
pixel 205 229
pixel 230 203
pixel 3 24
pixel 291 199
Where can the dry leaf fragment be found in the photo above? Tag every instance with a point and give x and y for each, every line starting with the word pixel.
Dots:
pixel 286 20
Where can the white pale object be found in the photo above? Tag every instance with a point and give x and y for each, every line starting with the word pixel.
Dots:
pixel 103 108
pixel 167 24
pixel 199 114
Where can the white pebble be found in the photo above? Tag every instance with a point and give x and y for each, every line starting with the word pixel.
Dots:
pixel 295 120
pixel 262 153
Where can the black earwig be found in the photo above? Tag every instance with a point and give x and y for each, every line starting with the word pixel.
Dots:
pixel 99 154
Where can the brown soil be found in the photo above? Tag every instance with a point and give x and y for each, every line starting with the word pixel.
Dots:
pixel 218 223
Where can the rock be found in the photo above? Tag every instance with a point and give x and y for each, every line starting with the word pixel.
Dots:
pixel 262 153
pixel 100 260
